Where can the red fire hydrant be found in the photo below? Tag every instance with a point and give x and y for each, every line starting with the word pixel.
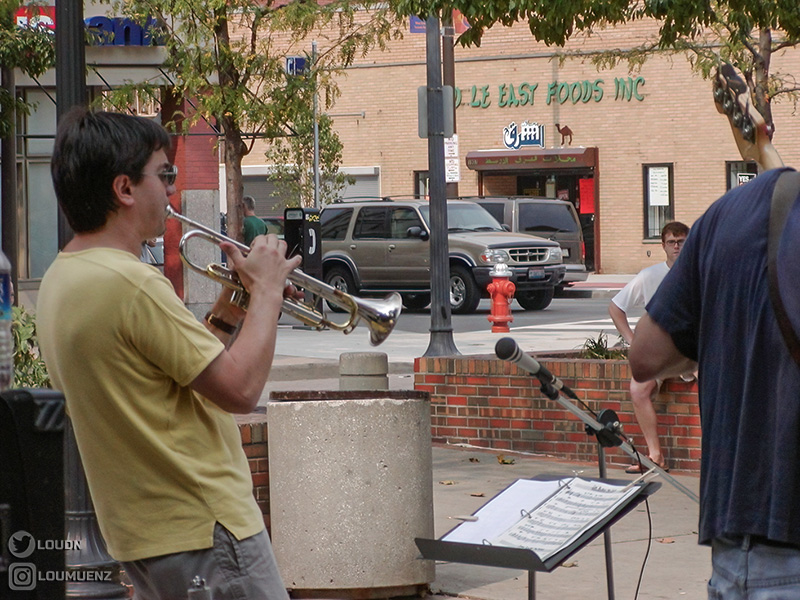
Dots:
pixel 502 292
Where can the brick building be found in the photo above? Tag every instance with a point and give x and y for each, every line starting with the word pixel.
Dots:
pixel 646 146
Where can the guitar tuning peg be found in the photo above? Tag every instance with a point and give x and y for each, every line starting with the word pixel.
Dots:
pixel 727 104
pixel 737 118
pixel 748 131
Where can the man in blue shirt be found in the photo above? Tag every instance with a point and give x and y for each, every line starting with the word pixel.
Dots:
pixel 713 307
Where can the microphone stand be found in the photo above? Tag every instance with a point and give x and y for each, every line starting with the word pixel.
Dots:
pixel 607 432
pixel 606 428
pixel 605 437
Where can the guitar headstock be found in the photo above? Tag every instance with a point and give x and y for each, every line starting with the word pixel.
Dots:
pixel 751 132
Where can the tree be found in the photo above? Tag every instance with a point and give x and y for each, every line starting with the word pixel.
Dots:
pixel 229 57
pixel 292 155
pixel 746 33
pixel 30 49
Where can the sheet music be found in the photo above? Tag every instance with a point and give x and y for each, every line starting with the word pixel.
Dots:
pixel 503 511
pixel 564 516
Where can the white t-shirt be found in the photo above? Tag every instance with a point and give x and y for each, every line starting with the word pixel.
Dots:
pixel 641 288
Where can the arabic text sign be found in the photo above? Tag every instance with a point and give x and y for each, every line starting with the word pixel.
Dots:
pixel 524 134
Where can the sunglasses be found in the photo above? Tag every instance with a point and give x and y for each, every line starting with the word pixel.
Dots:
pixel 167 176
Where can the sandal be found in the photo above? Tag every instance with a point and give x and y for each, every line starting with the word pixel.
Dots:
pixel 638 469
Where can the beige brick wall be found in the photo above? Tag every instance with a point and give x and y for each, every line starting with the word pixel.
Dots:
pixel 676 122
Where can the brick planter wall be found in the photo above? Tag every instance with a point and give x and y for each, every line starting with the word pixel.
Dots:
pixel 485 402
pixel 253 429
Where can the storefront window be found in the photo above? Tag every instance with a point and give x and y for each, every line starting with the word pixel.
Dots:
pixel 658 199
pixel 421 184
pixel 739 172
pixel 38 198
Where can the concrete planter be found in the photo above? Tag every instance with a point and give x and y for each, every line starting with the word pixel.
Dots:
pixel 350 489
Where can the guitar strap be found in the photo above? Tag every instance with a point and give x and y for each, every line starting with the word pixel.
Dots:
pixel 783 197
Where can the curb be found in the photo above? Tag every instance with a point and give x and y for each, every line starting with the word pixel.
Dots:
pixel 295 368
pixel 585 292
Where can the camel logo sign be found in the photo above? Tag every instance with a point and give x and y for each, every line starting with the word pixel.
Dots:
pixel 526 134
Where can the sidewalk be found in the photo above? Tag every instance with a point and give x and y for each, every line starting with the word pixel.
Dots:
pixel 677 567
pixel 464 479
pixel 597 286
pixel 309 359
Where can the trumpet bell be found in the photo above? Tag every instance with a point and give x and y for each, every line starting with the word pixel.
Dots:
pixel 380 315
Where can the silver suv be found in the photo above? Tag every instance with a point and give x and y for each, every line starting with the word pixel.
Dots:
pixel 373 246
pixel 545 217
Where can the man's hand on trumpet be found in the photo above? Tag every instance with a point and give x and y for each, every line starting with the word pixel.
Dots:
pixel 263 272
pixel 265 268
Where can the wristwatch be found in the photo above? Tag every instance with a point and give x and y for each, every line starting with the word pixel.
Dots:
pixel 215 321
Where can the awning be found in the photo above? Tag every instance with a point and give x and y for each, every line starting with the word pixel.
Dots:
pixel 531 158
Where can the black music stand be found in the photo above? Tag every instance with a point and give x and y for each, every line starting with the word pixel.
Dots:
pixel 520 558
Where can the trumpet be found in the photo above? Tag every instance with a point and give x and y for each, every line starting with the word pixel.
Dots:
pixel 380 316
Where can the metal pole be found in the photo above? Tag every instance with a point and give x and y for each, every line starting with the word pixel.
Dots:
pixel 449 77
pixel 70 75
pixel 88 553
pixel 316 123
pixel 603 471
pixel 8 172
pixel 441 342
pixel 81 522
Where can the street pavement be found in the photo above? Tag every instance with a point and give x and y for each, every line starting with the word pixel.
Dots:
pixel 655 543
pixel 309 359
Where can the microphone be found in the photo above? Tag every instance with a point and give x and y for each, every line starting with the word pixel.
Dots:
pixel 507 349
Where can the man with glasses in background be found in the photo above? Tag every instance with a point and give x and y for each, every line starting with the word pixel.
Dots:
pixel 149 389
pixel 638 292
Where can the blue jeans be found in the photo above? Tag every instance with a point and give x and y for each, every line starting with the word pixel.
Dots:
pixel 747 569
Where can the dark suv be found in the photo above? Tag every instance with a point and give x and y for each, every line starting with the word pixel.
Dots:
pixel 545 217
pixel 373 246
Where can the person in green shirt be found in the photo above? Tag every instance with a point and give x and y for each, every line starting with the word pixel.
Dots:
pixel 253 226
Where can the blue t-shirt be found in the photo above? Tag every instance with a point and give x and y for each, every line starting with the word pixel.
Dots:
pixel 715 305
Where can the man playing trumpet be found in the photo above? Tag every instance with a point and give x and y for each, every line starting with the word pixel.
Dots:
pixel 150 391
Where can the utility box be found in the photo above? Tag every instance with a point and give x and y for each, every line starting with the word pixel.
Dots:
pixel 350 485
pixel 302 236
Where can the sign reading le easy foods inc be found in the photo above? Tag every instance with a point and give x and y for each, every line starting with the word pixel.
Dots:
pixel 511 95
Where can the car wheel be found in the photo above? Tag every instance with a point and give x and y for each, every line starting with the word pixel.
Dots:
pixel 342 280
pixel 464 292
pixel 416 301
pixel 536 300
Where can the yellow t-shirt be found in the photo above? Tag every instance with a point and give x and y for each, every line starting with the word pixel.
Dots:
pixel 163 463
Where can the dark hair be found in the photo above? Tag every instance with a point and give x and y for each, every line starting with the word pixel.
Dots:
pixel 91 150
pixel 676 228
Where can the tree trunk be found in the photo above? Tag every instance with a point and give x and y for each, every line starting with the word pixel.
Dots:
pixel 235 148
pixel 234 188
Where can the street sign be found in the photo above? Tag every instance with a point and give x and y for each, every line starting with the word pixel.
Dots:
pixel 452 170
pixel 295 65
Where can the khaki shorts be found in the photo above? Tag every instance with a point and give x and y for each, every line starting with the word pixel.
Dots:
pixel 233 570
